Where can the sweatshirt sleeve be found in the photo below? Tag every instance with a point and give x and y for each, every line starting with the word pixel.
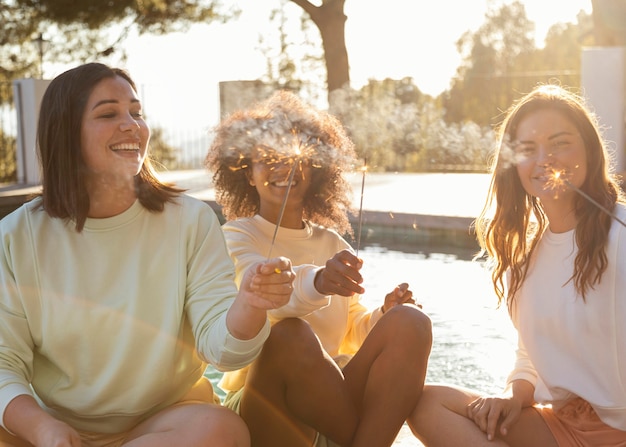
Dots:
pixel 244 251
pixel 210 292
pixel 360 323
pixel 524 368
pixel 16 343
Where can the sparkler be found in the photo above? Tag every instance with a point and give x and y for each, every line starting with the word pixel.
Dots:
pixel 558 177
pixel 358 240
pixel 284 204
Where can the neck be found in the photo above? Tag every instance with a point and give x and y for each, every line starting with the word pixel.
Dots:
pixel 292 218
pixel 561 216
pixel 108 199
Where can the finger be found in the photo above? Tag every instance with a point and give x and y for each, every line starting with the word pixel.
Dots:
pixel 278 282
pixel 405 296
pixel 492 423
pixel 338 270
pixel 275 265
pixel 344 288
pixel 349 258
pixel 342 277
pixel 507 422
pixel 278 295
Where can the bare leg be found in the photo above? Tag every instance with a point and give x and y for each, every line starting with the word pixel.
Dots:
pixel 387 374
pixel 294 386
pixel 439 421
pixel 192 424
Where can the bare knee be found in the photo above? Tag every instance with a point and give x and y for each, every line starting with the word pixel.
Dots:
pixel 192 424
pixel 292 337
pixel 410 324
pixel 229 430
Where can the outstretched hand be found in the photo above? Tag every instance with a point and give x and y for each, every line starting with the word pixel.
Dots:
pixel 268 285
pixel 340 275
pixel 400 295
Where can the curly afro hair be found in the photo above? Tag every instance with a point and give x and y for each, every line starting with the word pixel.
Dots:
pixel 277 125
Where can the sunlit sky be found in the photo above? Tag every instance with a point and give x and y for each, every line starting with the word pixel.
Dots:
pixel 413 38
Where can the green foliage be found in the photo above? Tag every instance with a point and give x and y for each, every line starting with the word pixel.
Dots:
pixel 8 168
pixel 68 31
pixel 501 61
pixel 397 128
pixel 161 152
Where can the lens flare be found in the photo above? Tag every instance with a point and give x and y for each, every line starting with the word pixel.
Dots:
pixel 558 179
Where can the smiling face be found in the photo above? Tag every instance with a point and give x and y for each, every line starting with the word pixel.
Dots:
pixel 548 150
pixel 270 177
pixel 114 135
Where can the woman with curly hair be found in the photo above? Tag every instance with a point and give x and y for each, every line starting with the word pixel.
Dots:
pixel 553 231
pixel 331 371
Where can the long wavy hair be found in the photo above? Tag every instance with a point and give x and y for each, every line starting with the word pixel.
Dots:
pixel 64 192
pixel 509 232
pixel 274 125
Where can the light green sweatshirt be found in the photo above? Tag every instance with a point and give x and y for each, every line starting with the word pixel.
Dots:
pixel 110 325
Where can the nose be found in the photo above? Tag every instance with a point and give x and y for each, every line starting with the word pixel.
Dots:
pixel 545 157
pixel 129 123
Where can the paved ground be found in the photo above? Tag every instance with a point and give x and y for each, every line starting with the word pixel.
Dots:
pixel 435 194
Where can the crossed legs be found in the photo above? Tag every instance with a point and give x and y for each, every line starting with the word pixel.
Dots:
pixel 294 389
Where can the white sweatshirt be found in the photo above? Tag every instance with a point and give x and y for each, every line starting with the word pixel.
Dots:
pixel 341 323
pixel 569 347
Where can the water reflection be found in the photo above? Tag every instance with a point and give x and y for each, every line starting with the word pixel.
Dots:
pixel 473 340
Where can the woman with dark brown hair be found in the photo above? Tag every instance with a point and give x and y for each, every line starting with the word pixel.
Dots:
pixel 116 289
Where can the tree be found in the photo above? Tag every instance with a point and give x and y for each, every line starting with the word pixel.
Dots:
pixel 330 19
pixel 161 152
pixel 295 60
pixel 83 30
pixel 483 83
pixel 88 29
pixel 501 61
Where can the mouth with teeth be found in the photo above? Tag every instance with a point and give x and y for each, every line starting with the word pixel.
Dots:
pixel 125 147
pixel 284 183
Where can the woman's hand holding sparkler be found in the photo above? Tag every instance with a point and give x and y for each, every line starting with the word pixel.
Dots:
pixel 400 295
pixel 266 285
pixel 340 275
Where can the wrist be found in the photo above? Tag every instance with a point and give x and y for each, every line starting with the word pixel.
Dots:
pixel 316 282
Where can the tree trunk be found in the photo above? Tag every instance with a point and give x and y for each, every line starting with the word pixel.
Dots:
pixel 331 21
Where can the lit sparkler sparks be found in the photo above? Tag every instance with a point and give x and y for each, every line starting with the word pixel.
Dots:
pixel 558 178
pixel 358 240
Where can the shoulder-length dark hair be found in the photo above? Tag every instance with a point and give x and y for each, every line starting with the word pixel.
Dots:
pixel 510 236
pixel 64 192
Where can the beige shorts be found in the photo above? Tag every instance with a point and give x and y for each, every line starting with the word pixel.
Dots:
pixel 576 424
pixel 233 401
